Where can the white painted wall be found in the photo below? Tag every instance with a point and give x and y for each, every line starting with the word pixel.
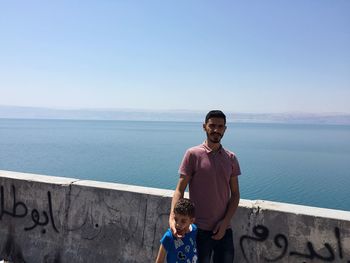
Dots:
pixel 56 219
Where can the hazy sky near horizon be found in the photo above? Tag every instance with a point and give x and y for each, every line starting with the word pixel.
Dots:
pixel 243 56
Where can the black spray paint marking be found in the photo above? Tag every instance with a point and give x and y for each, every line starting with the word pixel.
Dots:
pixel 261 234
pixel 20 210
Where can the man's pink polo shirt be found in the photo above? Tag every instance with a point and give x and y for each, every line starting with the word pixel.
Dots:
pixel 209 175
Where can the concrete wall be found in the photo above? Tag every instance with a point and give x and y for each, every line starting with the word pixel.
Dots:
pixel 54 219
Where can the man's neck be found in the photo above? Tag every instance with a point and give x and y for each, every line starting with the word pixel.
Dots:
pixel 213 146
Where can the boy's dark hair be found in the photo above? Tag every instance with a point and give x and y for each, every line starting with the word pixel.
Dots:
pixel 184 207
pixel 215 114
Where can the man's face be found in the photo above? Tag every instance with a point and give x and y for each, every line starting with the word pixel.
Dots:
pixel 215 129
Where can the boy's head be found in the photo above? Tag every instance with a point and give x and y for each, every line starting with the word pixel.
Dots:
pixel 184 213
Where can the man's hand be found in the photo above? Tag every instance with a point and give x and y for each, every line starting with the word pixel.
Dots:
pixel 172 225
pixel 219 231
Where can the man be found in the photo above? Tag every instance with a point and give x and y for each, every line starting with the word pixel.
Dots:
pixel 211 173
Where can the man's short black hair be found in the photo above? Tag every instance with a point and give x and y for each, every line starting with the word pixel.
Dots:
pixel 215 114
pixel 184 207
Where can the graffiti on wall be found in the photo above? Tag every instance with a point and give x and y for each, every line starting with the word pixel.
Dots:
pixel 329 254
pixel 19 209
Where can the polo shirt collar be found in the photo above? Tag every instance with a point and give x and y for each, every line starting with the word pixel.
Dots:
pixel 208 150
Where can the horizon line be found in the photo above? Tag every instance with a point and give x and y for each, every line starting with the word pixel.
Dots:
pixel 176 110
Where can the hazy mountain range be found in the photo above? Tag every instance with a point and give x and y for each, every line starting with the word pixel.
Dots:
pixel 15 112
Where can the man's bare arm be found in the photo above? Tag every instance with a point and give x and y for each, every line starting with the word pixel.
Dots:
pixel 178 194
pixel 220 229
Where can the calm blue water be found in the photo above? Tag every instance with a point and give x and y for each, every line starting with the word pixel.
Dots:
pixel 301 164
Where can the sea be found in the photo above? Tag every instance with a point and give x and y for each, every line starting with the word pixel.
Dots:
pixel 292 163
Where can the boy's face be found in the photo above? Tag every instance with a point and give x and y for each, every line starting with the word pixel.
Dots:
pixel 182 224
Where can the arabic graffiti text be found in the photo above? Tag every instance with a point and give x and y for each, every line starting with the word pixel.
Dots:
pixel 18 209
pixel 332 251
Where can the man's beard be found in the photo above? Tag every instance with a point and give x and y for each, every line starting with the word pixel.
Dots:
pixel 214 137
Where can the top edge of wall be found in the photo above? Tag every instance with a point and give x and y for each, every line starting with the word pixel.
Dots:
pixel 296 209
pixel 37 177
pixel 250 204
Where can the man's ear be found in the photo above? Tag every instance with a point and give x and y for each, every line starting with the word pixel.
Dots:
pixel 204 126
pixel 193 219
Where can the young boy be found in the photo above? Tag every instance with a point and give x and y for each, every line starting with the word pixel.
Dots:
pixel 180 249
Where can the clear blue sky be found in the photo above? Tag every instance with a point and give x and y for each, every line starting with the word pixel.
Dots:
pixel 242 56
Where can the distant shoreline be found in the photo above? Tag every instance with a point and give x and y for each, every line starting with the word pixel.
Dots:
pixel 14 112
